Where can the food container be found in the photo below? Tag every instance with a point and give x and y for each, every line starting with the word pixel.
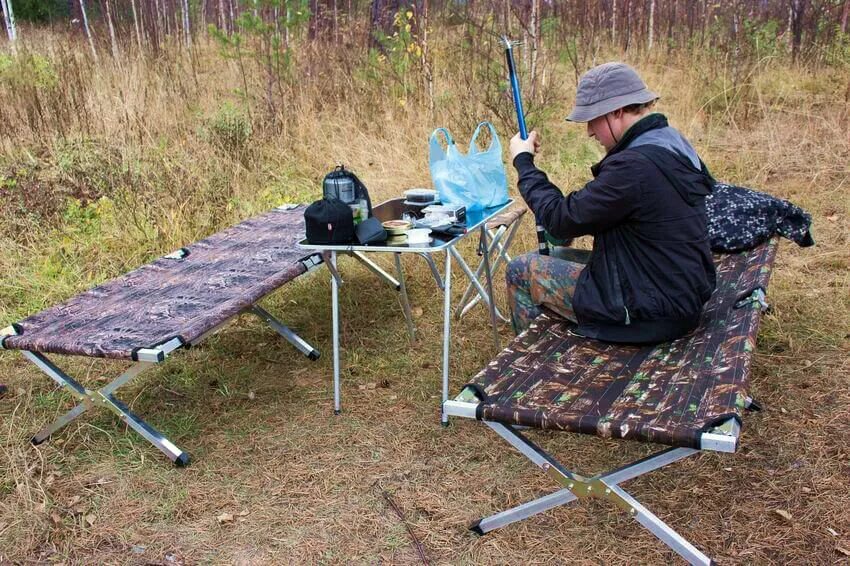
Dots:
pixel 340 186
pixel 420 196
pixel 419 236
pixel 396 227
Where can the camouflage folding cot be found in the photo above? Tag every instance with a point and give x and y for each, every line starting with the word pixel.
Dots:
pixel 173 302
pixel 688 394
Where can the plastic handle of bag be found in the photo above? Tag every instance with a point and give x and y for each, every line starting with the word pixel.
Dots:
pixel 435 142
pixel 494 138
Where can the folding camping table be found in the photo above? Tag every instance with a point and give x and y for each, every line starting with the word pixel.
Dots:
pixel 688 394
pixel 476 221
pixel 173 302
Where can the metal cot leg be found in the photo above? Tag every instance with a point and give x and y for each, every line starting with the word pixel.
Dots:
pixel 300 344
pixel 602 486
pixel 103 397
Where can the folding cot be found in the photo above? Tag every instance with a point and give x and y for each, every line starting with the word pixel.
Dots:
pixel 173 302
pixel 688 394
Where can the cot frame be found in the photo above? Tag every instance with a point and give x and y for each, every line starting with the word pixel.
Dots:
pixel 605 485
pixel 144 359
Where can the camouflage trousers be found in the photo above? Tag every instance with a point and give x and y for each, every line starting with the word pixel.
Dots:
pixel 537 282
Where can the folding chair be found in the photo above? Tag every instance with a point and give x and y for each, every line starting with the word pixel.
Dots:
pixel 174 302
pixel 688 394
pixel 501 230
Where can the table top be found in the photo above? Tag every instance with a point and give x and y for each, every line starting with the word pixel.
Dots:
pixel 392 210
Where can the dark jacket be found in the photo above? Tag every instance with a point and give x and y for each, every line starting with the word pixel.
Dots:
pixel 651 269
pixel 740 219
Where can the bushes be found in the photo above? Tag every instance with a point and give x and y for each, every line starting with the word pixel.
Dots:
pixel 230 129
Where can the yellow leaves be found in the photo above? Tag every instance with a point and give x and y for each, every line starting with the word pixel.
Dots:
pixel 409 15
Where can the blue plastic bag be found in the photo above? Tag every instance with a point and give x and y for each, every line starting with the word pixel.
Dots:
pixel 476 180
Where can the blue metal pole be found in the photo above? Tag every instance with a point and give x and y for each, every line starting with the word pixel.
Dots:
pixel 542 245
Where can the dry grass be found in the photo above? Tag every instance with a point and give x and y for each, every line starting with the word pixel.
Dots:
pixel 303 486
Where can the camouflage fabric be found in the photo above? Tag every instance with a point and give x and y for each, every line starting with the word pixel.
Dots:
pixel 670 393
pixel 536 281
pixel 220 277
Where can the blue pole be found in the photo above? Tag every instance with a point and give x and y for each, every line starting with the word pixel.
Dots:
pixel 542 245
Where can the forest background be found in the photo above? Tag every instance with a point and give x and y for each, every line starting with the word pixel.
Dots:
pixel 129 128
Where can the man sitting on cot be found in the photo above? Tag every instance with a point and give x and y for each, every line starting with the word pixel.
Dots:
pixel 650 271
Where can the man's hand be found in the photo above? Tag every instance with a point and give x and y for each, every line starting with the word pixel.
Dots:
pixel 519 145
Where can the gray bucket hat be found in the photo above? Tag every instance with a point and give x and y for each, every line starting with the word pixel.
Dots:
pixel 606 88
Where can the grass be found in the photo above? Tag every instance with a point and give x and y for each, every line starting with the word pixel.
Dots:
pixel 138 160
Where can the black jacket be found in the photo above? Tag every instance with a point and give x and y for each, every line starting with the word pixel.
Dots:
pixel 651 270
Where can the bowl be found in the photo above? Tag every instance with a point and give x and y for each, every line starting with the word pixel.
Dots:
pixel 396 227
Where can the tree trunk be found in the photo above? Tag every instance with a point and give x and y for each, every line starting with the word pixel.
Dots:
pixel 613 21
pixel 844 15
pixel 87 29
pixel 798 11
pixel 222 19
pixel 187 32
pixel 426 61
pixel 160 28
pixel 113 41
pixel 651 24
pixel 534 44
pixel 336 23
pixel 9 19
pixel 136 24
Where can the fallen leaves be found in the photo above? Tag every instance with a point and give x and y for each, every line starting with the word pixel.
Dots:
pixel 226 518
pixel 783 513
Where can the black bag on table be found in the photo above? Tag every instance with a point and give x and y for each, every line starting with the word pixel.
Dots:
pixel 329 221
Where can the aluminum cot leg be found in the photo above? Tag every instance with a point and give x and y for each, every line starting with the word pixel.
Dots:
pixel 300 344
pixel 103 397
pixel 602 486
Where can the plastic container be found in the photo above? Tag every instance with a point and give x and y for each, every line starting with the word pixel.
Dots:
pixel 420 196
pixel 419 236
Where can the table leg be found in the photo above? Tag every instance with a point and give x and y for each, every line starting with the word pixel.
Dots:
pixel 405 302
pixel 489 274
pixel 447 318
pixel 335 323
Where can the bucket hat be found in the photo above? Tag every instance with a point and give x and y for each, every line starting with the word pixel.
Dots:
pixel 606 88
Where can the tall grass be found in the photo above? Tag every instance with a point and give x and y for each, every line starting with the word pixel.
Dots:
pixel 106 164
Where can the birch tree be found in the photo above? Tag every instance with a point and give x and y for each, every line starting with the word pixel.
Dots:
pixel 112 38
pixel 9 19
pixel 184 6
pixel 87 29
pixel 136 23
pixel 651 23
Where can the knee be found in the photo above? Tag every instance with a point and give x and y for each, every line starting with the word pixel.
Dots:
pixel 518 271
